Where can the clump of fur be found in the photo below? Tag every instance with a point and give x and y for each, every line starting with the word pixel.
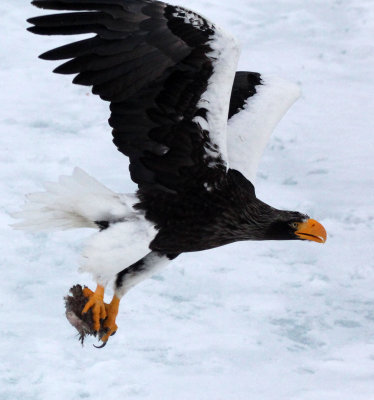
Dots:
pixel 83 323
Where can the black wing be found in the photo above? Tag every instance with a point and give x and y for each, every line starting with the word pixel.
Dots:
pixel 243 88
pixel 155 63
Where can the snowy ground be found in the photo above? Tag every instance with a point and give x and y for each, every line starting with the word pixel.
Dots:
pixel 261 321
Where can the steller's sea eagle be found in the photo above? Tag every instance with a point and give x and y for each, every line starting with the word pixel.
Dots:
pixel 192 127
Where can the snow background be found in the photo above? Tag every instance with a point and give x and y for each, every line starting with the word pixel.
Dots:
pixel 265 321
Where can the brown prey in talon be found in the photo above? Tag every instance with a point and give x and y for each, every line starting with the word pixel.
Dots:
pixel 102 311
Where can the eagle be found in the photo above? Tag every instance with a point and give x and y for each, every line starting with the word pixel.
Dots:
pixel 192 127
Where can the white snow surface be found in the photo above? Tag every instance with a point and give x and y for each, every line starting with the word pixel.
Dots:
pixel 260 321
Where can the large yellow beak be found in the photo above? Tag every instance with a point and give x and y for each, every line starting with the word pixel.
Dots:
pixel 312 230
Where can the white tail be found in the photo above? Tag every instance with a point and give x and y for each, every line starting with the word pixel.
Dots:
pixel 76 201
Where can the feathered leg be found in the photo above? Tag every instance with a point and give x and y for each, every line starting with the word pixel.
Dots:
pixel 128 278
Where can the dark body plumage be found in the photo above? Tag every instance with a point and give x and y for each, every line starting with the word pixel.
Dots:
pixel 203 219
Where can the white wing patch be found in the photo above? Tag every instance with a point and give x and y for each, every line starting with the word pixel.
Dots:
pixel 216 98
pixel 249 130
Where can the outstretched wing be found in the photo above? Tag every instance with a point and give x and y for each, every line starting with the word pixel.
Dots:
pixel 257 105
pixel 168 74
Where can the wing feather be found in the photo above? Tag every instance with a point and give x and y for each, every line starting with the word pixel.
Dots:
pixel 257 105
pixel 167 72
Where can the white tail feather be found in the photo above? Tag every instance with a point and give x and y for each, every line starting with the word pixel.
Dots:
pixel 76 201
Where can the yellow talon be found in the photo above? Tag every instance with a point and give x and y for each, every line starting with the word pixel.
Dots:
pixel 96 302
pixel 110 322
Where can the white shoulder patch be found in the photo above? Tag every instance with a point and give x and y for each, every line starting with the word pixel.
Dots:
pixel 224 56
pixel 216 99
pixel 249 130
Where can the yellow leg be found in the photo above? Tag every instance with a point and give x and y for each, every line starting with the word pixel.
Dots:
pixel 96 302
pixel 110 322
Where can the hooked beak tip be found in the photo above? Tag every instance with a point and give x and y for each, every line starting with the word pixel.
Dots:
pixel 312 230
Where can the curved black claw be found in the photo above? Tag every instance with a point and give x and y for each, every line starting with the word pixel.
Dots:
pixel 100 347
